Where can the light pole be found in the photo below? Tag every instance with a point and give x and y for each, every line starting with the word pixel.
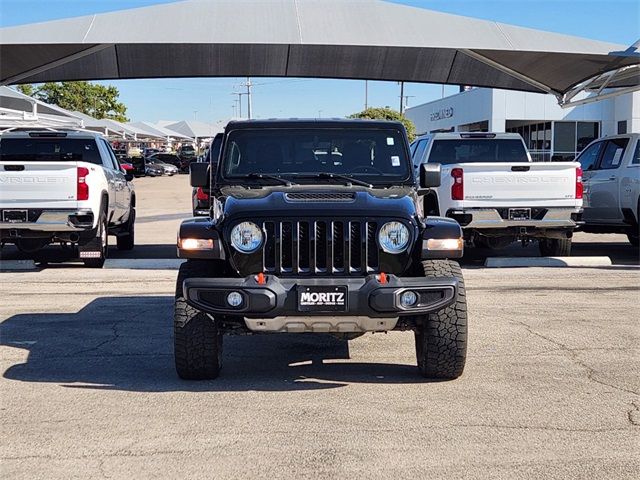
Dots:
pixel 366 94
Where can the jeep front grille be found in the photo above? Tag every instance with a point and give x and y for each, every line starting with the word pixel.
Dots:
pixel 339 247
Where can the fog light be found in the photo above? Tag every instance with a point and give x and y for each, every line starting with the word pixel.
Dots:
pixel 234 299
pixel 196 243
pixel 445 244
pixel 408 299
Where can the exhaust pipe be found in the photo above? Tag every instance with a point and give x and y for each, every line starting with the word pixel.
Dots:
pixel 74 237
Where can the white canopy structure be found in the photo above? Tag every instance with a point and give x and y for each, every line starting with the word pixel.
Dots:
pixel 356 39
pixel 19 110
pixel 157 131
pixel 194 129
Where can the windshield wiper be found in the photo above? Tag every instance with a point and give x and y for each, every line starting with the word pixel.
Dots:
pixel 337 176
pixel 264 176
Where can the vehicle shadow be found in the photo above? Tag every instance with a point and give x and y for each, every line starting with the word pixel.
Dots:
pixel 125 343
pixel 57 255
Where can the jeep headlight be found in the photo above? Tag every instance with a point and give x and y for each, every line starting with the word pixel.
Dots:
pixel 394 237
pixel 246 237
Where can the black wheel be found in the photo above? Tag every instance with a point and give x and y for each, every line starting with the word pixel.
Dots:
pixel 127 241
pixel 197 340
pixel 555 247
pixel 102 243
pixel 441 337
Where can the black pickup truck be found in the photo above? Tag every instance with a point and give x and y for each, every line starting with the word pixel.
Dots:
pixel 317 226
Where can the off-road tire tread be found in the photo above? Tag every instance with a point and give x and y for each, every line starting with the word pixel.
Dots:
pixel 197 339
pixel 441 341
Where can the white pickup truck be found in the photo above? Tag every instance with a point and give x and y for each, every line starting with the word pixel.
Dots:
pixel 67 187
pixel 498 195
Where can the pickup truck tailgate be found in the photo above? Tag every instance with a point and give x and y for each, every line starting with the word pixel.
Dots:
pixel 519 184
pixel 38 184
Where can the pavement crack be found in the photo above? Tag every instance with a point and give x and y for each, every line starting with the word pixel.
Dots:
pixel 573 355
pixel 633 415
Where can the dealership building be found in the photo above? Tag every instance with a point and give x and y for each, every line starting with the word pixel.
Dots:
pixel 550 132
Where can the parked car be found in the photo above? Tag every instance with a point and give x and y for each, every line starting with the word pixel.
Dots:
pixel 64 187
pixel 148 152
pixel 187 151
pixel 498 195
pixel 611 167
pixel 167 168
pixel 200 197
pixel 171 159
pixel 153 170
pixel 128 168
pixel 295 244
pixel 139 166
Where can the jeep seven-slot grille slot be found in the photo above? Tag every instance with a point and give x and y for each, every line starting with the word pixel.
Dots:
pixel 339 247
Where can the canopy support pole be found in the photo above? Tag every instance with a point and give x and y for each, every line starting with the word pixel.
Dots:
pixel 54 64
pixel 509 71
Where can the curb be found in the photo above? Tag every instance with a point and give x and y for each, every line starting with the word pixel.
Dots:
pixel 143 263
pixel 508 262
pixel 17 265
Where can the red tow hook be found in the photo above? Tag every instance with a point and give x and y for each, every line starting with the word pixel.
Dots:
pixel 261 279
pixel 382 278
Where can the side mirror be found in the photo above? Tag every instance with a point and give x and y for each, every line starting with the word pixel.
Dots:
pixel 128 176
pixel 199 173
pixel 430 175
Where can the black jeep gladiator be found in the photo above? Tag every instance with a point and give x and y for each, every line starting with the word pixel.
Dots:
pixel 316 226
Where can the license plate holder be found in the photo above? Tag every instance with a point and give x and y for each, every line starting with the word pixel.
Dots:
pixel 519 214
pixel 14 216
pixel 322 298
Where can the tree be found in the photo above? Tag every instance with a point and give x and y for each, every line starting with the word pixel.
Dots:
pixel 98 101
pixel 388 114
pixel 27 89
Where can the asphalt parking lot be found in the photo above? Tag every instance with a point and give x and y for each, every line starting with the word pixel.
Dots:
pixel 88 390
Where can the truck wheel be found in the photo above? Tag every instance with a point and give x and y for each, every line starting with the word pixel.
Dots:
pixel 555 247
pixel 102 241
pixel 197 341
pixel 127 241
pixel 441 338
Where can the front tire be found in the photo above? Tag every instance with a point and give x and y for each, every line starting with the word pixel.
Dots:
pixel 441 337
pixel 555 247
pixel 197 338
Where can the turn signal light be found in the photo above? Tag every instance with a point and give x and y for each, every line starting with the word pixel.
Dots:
pixel 82 190
pixel 457 189
pixel 445 244
pixel 579 185
pixel 195 243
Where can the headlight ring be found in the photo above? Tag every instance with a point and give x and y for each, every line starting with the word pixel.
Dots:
pixel 394 237
pixel 246 237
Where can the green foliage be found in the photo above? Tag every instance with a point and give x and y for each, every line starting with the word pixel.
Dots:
pixel 388 114
pixel 26 89
pixel 98 101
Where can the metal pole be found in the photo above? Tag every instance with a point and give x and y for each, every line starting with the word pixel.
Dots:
pixel 249 85
pixel 401 97
pixel 366 94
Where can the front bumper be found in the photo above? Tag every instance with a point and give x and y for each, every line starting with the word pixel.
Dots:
pixel 59 220
pixel 274 305
pixel 542 218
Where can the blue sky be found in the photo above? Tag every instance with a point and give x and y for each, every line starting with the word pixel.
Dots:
pixel 210 100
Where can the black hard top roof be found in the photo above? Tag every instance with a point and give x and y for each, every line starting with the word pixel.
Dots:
pixel 313 123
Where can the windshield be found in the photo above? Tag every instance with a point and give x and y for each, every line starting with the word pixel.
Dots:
pixel 49 150
pixel 447 152
pixel 374 155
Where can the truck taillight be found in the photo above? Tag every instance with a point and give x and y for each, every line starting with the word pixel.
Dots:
pixel 201 194
pixel 457 189
pixel 579 185
pixel 82 192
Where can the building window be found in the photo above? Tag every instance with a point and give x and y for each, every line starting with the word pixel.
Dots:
pixel 587 133
pixel 622 127
pixel 564 141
